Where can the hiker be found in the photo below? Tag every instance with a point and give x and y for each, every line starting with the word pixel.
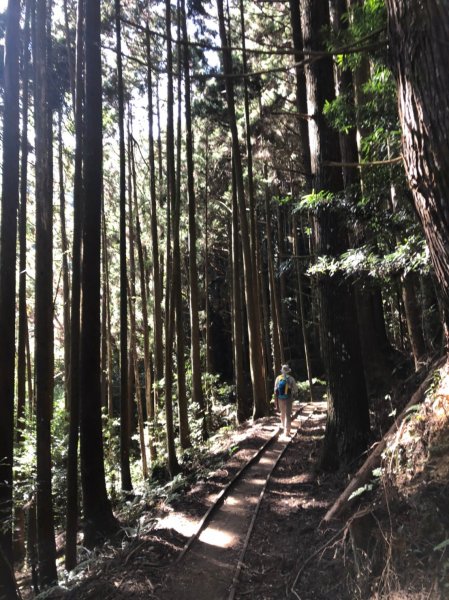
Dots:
pixel 285 389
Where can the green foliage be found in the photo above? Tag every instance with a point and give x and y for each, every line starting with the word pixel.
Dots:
pixel 282 200
pixel 408 256
pixel 442 546
pixel 340 113
pixel 368 487
pixel 25 459
pixel 361 490
pixel 435 383
pixel 25 462
pixel 366 24
pixel 316 200
pixel 111 449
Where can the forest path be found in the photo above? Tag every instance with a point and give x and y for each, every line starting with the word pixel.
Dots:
pixel 286 531
pixel 288 519
pixel 207 569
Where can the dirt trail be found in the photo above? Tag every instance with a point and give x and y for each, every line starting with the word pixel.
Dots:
pixel 286 532
pixel 209 566
pixel 291 509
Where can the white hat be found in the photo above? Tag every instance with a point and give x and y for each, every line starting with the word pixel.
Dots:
pixel 285 369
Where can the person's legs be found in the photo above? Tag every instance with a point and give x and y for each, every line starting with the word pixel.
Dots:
pixel 288 415
pixel 282 408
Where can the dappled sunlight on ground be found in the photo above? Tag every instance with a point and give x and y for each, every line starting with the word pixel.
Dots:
pixel 216 537
pixel 180 522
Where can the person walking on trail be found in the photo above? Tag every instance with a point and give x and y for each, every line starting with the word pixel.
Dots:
pixel 285 389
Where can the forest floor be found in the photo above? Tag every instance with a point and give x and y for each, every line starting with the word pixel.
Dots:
pixel 289 545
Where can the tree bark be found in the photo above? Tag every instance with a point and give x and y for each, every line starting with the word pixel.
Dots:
pixel 124 412
pixel 172 461
pixel 417 32
pixel 348 419
pixel 99 520
pixel 78 199
pixel 302 312
pixel 197 389
pixel 44 358
pixel 274 296
pixel 65 265
pixel 157 290
pixel 8 233
pixel 413 317
pixel 301 93
pixel 23 318
pixel 22 334
pixel 242 399
pixel 209 367
pixel 132 308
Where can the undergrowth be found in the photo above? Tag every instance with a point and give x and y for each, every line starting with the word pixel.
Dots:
pixel 399 541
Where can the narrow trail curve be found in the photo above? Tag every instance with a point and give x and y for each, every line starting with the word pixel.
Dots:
pixel 208 569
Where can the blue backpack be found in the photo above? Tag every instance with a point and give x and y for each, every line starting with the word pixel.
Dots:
pixel 283 388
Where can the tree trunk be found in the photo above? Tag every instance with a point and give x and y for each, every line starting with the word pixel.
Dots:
pixel 260 400
pixel 23 319
pixel 197 389
pixel 44 359
pixel 132 315
pixel 99 520
pixel 302 312
pixel 241 392
pixel 145 323
pixel 172 464
pixel 78 199
pixel 124 412
pixel 417 32
pixel 301 93
pixel 9 206
pixel 65 265
pixel 254 241
pixel 414 319
pixel 157 291
pixel 348 419
pixel 108 334
pixel 209 367
pixel 183 418
pixel 19 513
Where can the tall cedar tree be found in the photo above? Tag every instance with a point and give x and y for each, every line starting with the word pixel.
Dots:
pixel 252 302
pixel 197 390
pixel 143 294
pixel 99 520
pixel 124 410
pixel 348 420
pixel 242 400
pixel 172 461
pixel 417 34
pixel 44 359
pixel 157 292
pixel 183 418
pixel 135 239
pixel 72 456
pixel 9 205
pixel 23 321
pixel 65 262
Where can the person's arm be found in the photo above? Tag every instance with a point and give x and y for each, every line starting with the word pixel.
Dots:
pixel 276 394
